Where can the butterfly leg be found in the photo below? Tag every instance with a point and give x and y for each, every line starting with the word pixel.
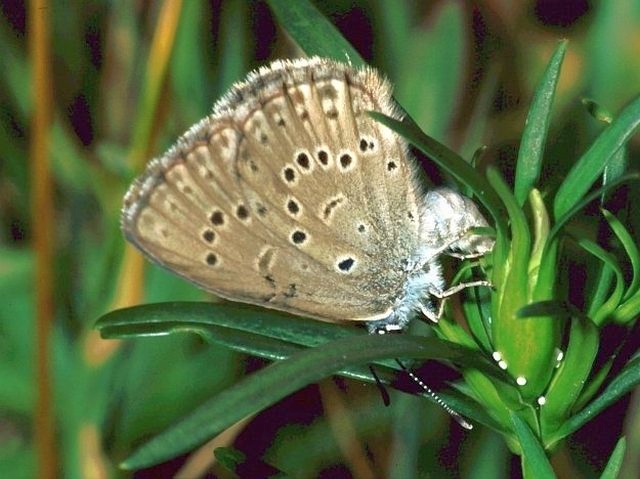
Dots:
pixel 463 256
pixel 442 296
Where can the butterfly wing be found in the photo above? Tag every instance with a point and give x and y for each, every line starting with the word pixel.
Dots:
pixel 288 196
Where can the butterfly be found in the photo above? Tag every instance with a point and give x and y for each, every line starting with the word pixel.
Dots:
pixel 290 196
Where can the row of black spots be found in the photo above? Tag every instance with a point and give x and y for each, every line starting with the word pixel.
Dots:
pixel 343 265
pixel 392 165
pixel 306 163
pixel 367 145
pixel 218 219
pixel 290 174
pixel 346 162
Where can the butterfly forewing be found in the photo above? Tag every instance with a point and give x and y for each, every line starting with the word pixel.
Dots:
pixel 288 196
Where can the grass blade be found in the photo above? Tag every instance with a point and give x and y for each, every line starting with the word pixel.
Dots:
pixel 536 128
pixel 313 32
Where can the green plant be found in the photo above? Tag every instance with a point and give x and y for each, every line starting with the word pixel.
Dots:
pixel 127 79
pixel 546 345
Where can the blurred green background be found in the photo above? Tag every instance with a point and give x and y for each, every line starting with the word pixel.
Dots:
pixel 126 78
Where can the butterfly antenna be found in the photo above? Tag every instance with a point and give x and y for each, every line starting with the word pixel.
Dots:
pixel 455 415
pixel 386 399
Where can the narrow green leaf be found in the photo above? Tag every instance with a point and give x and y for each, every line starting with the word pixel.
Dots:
pixel 248 333
pixel 630 247
pixel 234 35
pixel 596 380
pixel 626 380
pixel 582 202
pixel 276 381
pixel 616 167
pixel 535 464
pixel 520 234
pixel 629 310
pixel 487 459
pixel 603 283
pixel 512 336
pixel 536 128
pixel 266 334
pixel 429 69
pixel 548 264
pixel 405 439
pixel 188 61
pixel 591 165
pixel 540 226
pixel 614 464
pixel 552 307
pixel 394 22
pixel 238 325
pixel 476 305
pixel 607 308
pixel 313 32
pixel 571 376
pixel 164 318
